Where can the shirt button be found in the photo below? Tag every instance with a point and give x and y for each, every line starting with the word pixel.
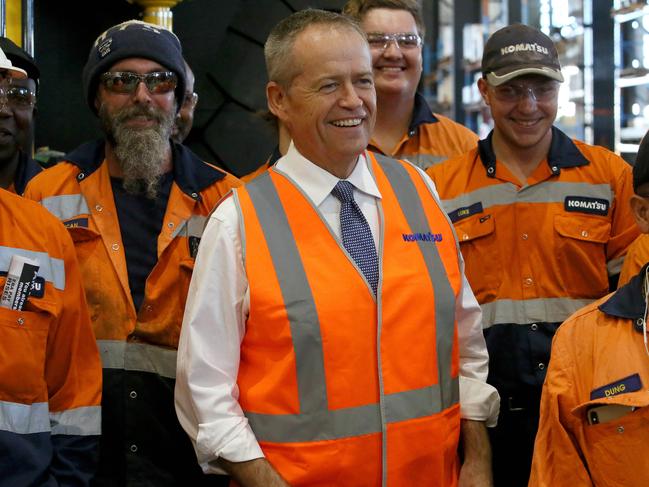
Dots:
pixel 133 448
pixel 555 168
pixel 584 233
pixel 80 176
pixel 534 327
pixel 620 429
pixel 115 246
pixel 20 321
pixel 528 281
pixel 195 195
pixel 170 224
pixel 524 236
pixel 465 237
pixel 148 307
pixel 99 207
pixel 541 366
pixel 133 394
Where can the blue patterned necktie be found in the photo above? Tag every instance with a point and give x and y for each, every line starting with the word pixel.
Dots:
pixel 356 233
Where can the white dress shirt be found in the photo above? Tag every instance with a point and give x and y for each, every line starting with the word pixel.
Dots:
pixel 217 309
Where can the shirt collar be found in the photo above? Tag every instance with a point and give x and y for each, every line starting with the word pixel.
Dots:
pixel 628 301
pixel 191 173
pixel 563 153
pixel 317 183
pixel 421 114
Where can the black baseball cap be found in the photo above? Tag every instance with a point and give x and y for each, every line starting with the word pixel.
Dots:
pixel 19 58
pixel 517 50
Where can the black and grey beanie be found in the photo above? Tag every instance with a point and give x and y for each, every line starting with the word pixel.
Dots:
pixel 133 38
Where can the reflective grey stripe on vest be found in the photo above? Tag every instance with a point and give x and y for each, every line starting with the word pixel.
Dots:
pixel 423 160
pixel 85 421
pixel 546 192
pixel 193 227
pixel 139 357
pixel 528 311
pixel 66 206
pixel 315 421
pixel 51 269
pixel 24 419
pixel 413 210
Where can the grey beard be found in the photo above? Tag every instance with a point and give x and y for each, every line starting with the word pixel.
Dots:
pixel 140 152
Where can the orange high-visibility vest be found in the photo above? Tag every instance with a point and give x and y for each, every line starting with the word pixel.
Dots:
pixel 342 388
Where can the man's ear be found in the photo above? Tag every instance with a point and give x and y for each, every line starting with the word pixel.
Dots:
pixel 276 96
pixel 640 208
pixel 484 90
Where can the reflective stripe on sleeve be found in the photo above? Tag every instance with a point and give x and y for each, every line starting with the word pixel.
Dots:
pixel 528 311
pixel 140 357
pixel 24 418
pixel 84 421
pixel 50 269
pixel 66 206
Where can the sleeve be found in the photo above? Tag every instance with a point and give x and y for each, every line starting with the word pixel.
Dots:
pixel 206 393
pixel 623 227
pixel 73 375
pixel 479 401
pixel 557 459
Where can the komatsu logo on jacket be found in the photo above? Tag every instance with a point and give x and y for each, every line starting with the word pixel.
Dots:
pixel 583 204
pixel 524 47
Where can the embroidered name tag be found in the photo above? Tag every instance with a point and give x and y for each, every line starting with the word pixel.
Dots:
pixel 465 211
pixel 422 237
pixel 76 222
pixel 631 383
pixel 583 204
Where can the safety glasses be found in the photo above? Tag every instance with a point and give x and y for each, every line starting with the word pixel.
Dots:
pixel 157 83
pixel 513 92
pixel 404 40
pixel 17 97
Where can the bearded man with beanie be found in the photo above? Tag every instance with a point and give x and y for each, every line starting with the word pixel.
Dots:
pixel 134 204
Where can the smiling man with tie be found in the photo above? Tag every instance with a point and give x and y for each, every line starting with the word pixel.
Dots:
pixel 320 346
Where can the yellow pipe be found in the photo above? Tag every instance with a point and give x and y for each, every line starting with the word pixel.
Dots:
pixel 14 21
pixel 157 12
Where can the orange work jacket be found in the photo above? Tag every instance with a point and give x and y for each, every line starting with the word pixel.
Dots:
pixel 598 361
pixel 431 138
pixel 342 388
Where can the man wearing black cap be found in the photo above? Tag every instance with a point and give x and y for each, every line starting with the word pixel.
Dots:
pixel 543 223
pixel 135 204
pixel 593 427
pixel 16 118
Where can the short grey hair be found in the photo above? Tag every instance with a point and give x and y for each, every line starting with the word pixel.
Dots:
pixel 279 45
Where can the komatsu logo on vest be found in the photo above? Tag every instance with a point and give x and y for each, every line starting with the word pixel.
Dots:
pixel 422 237
pixel 524 47
pixel 584 204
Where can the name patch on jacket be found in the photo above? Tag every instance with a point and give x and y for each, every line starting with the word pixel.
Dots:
pixel 422 237
pixel 584 204
pixel 631 383
pixel 466 211
pixel 76 222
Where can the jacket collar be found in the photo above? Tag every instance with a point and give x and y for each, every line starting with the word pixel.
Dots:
pixel 628 301
pixel 191 174
pixel 421 114
pixel 563 153
pixel 27 169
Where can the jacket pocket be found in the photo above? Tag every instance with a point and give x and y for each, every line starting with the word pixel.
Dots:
pixel 581 254
pixel 23 347
pixel 477 237
pixel 614 449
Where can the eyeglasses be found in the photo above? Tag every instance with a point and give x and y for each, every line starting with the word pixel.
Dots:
pixel 404 40
pixel 17 97
pixel 158 83
pixel 190 100
pixel 513 93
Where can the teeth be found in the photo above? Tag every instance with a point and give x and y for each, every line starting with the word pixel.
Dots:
pixel 391 68
pixel 527 123
pixel 350 122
